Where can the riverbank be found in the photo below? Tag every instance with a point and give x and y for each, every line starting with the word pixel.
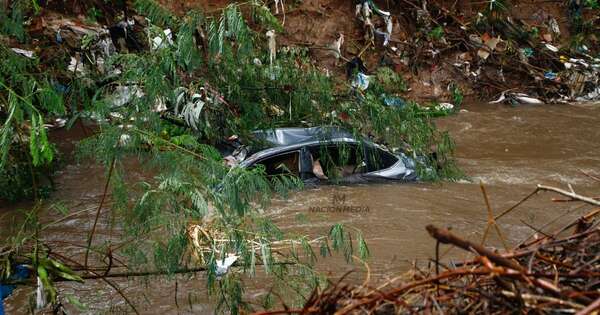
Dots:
pixel 482 48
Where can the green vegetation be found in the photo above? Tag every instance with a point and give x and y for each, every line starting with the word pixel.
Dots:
pixel 190 187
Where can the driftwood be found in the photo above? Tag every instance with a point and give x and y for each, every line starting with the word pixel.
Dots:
pixel 555 273
pixel 444 236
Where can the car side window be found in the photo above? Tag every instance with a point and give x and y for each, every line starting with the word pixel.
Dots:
pixel 282 164
pixel 339 160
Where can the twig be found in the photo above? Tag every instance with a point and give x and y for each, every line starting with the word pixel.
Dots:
pixel 590 308
pixel 507 211
pixel 590 175
pixel 572 195
pixel 491 220
pixel 444 236
pixel 91 235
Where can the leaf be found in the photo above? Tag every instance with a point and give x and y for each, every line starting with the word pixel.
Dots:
pixel 69 276
pixel 73 300
pixel 266 254
pixel 48 286
pixel 61 208
pixel 154 12
pixel 336 234
pixel 59 269
pixel 363 249
pixel 324 249
pixel 308 250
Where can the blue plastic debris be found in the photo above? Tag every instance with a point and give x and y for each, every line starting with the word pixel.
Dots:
pixel 361 81
pixel 393 101
pixel 21 273
pixel 528 52
pixel 550 75
pixel 59 38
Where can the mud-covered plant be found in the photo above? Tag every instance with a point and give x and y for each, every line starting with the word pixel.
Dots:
pixel 457 94
pixel 390 81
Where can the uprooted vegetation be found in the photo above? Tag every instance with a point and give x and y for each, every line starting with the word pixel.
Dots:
pixel 165 90
pixel 199 74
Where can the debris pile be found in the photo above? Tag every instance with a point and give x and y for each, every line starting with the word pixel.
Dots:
pixel 547 273
pixel 497 55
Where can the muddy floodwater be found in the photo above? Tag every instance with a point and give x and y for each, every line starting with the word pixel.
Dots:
pixel 508 149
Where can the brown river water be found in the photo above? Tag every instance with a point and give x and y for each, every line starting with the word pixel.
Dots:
pixel 508 149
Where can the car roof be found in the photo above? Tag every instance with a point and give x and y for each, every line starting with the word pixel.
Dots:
pixel 280 137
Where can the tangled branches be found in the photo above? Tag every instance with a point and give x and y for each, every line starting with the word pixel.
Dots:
pixel 550 273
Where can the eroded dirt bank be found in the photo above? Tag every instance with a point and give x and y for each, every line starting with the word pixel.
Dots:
pixel 437 44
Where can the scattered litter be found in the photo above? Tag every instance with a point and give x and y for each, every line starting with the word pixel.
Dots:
pixel 76 65
pixel 483 53
pixel 336 46
pixel 394 101
pixel 58 37
pixel 552 48
pixel 279 3
pixel 21 273
pixel 493 42
pixel 525 54
pixel 237 156
pixel 223 265
pixel 550 75
pixel 124 140
pixel 389 25
pixel 516 98
pixel 71 33
pixel 385 37
pixel 361 81
pixel 437 109
pixel 547 37
pixel 124 94
pixel 591 96
pixel 57 123
pixel 158 42
pixel 160 105
pixel 27 53
pixel 553 26
pixel 475 39
pixel 40 296
pixel 272 46
pixel 192 110
pixel 444 107
pixel 354 66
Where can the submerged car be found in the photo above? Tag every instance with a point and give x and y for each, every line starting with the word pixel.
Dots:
pixel 327 155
